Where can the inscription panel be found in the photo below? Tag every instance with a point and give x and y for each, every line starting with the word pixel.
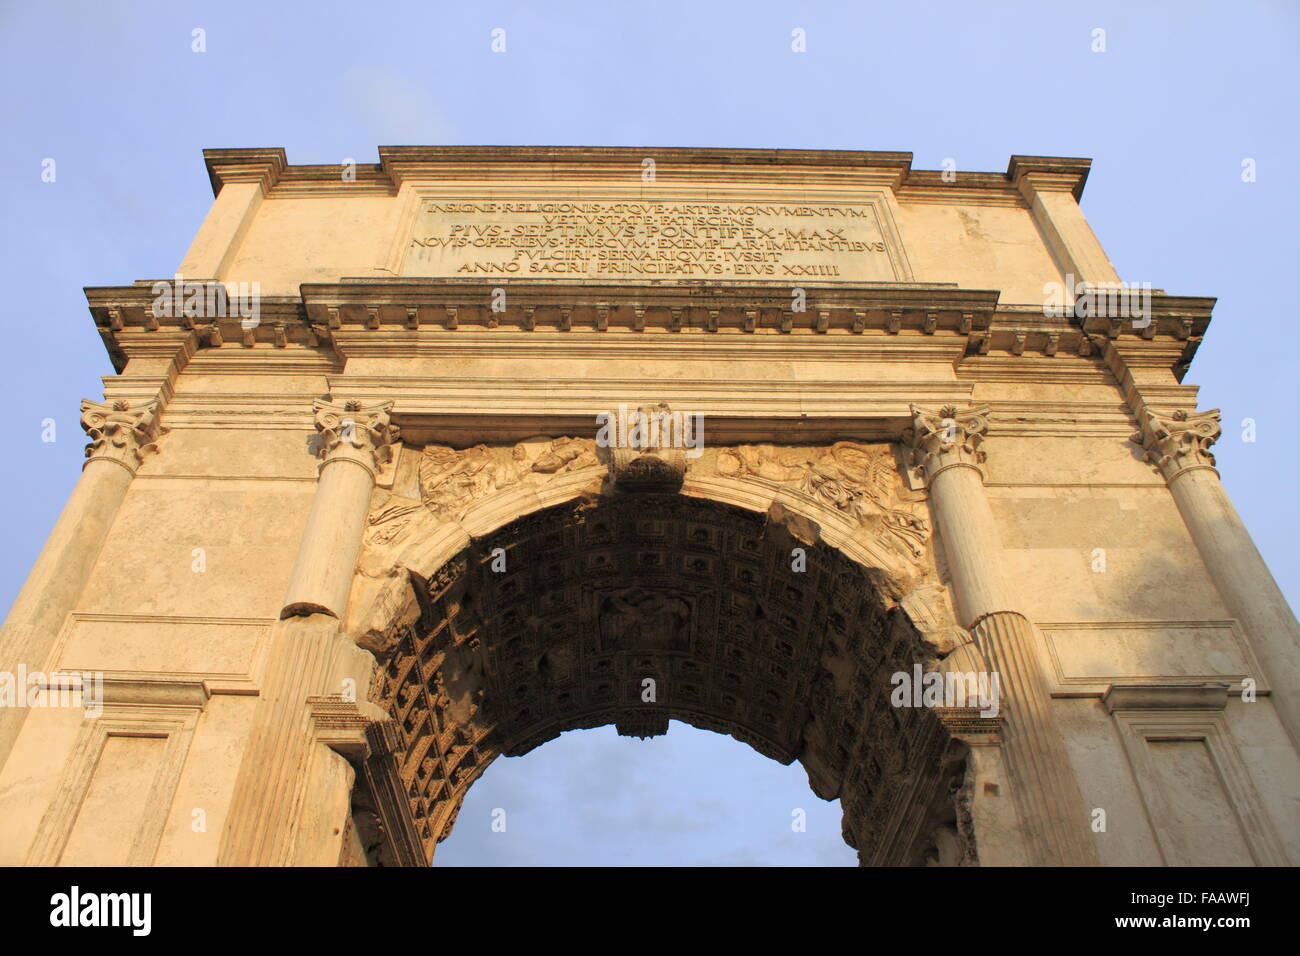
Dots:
pixel 638 239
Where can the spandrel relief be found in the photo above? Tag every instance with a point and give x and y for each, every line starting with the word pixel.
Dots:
pixel 861 481
pixel 858 480
pixel 452 480
pixel 449 481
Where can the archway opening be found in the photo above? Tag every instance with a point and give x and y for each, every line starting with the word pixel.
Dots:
pixel 689 797
pixel 637 609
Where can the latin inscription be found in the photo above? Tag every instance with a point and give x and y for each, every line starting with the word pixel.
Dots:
pixel 640 240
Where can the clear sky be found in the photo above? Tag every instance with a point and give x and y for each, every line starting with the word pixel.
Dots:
pixel 1182 94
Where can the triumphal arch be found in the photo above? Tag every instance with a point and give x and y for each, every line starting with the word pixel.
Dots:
pixel 418 464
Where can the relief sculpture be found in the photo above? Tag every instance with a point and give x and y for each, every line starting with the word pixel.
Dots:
pixel 451 480
pixel 644 620
pixel 859 480
pixel 441 485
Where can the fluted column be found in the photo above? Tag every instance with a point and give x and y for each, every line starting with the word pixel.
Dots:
pixel 1179 447
pixel 945 447
pixel 309 655
pixel 121 435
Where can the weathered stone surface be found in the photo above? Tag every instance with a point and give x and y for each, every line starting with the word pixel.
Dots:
pixel 328 561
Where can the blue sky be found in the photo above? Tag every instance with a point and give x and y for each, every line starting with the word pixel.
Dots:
pixel 1182 94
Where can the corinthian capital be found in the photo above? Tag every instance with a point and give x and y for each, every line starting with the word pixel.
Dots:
pixel 1180 443
pixel 360 433
pixel 120 431
pixel 947 437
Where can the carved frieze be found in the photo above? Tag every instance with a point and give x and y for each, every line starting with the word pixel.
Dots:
pixel 858 481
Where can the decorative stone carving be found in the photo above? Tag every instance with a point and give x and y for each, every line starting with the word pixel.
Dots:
pixel 390 520
pixel 360 433
pixel 1179 443
pixel 644 620
pixel 930 612
pixel 946 438
pixel 120 431
pixel 564 455
pixel 649 460
pixel 859 480
pixel 444 484
pixel 953 841
pixel 452 480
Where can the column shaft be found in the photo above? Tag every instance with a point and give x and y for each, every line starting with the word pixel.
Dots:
pixel 1179 447
pixel 121 434
pixel 1246 585
pixel 965 519
pixel 1055 817
pixel 58 578
pixel 331 543
pixel 305 659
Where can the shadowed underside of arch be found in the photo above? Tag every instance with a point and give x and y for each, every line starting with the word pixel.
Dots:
pixel 638 609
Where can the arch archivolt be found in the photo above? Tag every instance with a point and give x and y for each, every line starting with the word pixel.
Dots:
pixel 512 592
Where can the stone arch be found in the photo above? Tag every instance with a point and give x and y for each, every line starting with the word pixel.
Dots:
pixel 693 590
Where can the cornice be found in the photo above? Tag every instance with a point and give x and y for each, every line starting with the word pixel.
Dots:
pixel 1049 172
pixel 255 165
pixel 403 163
pixel 397 164
pixel 389 155
pixel 126 319
pixel 1183 316
pixel 959 192
pixel 679 307
pixel 911 322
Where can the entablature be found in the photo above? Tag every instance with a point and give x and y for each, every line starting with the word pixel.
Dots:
pixel 887 322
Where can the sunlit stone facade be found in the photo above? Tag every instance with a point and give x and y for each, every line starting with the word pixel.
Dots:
pixel 349 527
